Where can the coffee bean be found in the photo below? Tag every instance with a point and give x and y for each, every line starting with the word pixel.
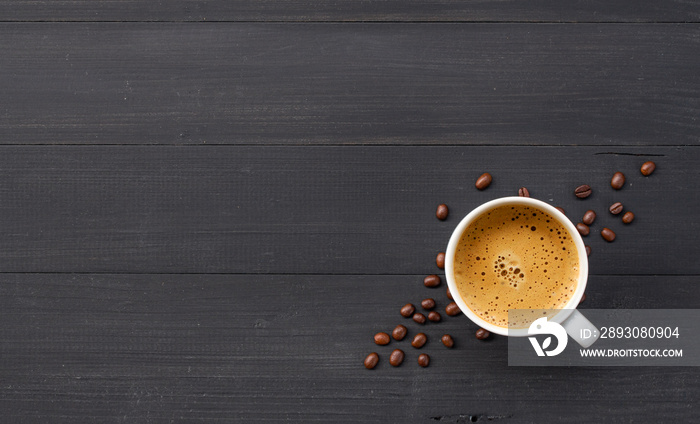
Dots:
pixel 428 303
pixel 608 234
pixel 440 260
pixel 396 357
pixel 442 212
pixel 589 217
pixel 447 340
pixel 616 208
pixel 582 299
pixel 407 310
pixel 419 340
pixel 431 281
pixel 482 334
pixel 483 181
pixel 419 318
pixel 452 309
pixel 449 295
pixel 648 168
pixel 423 360
pixel 628 217
pixel 588 250
pixel 617 181
pixel 381 339
pixel 583 229
pixel 523 192
pixel 399 332
pixel 371 360
pixel 434 316
pixel 560 210
pixel 583 191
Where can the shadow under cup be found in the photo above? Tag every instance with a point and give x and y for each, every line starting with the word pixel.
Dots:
pixel 500 265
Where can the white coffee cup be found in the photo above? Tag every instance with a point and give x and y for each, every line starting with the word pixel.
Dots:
pixel 571 319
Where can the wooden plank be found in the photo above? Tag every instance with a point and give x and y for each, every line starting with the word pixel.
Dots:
pixel 290 348
pixel 320 209
pixel 348 10
pixel 149 83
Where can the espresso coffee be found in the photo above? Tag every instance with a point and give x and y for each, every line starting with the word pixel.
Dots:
pixel 515 257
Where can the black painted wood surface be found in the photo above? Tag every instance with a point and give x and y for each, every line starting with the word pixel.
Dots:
pixel 207 222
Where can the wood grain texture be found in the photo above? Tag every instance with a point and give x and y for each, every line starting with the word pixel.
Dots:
pixel 251 348
pixel 321 209
pixel 155 83
pixel 349 10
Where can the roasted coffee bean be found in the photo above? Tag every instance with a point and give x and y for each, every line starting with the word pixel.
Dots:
pixel 399 332
pixel 523 192
pixel 582 299
pixel 583 229
pixel 431 281
pixel 434 316
pixel 381 339
pixel 423 360
pixel 616 208
pixel 447 340
pixel 482 334
pixel 442 212
pixel 449 295
pixel 583 191
pixel 628 217
pixel 440 260
pixel 560 210
pixel 396 357
pixel 419 318
pixel 407 310
pixel 589 217
pixel 452 309
pixel 428 303
pixel 617 181
pixel 483 181
pixel 419 340
pixel 648 168
pixel 588 250
pixel 608 234
pixel 371 360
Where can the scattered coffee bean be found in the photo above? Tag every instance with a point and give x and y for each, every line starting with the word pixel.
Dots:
pixel 483 181
pixel 371 360
pixel 440 260
pixel 589 217
pixel 442 212
pixel 628 217
pixel 434 316
pixel 648 168
pixel 588 250
pixel 523 192
pixel 431 281
pixel 608 234
pixel 617 181
pixel 399 332
pixel 428 303
pixel 407 310
pixel 396 357
pixel 582 299
pixel 560 210
pixel 419 318
pixel 482 334
pixel 452 309
pixel 381 339
pixel 583 191
pixel 447 340
pixel 449 295
pixel 423 360
pixel 419 340
pixel 583 229
pixel 616 208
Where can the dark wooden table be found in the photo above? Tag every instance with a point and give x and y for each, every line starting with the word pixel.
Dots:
pixel 207 208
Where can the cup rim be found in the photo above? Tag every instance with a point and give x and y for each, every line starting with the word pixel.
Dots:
pixel 515 200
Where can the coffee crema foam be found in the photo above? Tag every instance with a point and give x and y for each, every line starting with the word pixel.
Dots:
pixel 515 257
